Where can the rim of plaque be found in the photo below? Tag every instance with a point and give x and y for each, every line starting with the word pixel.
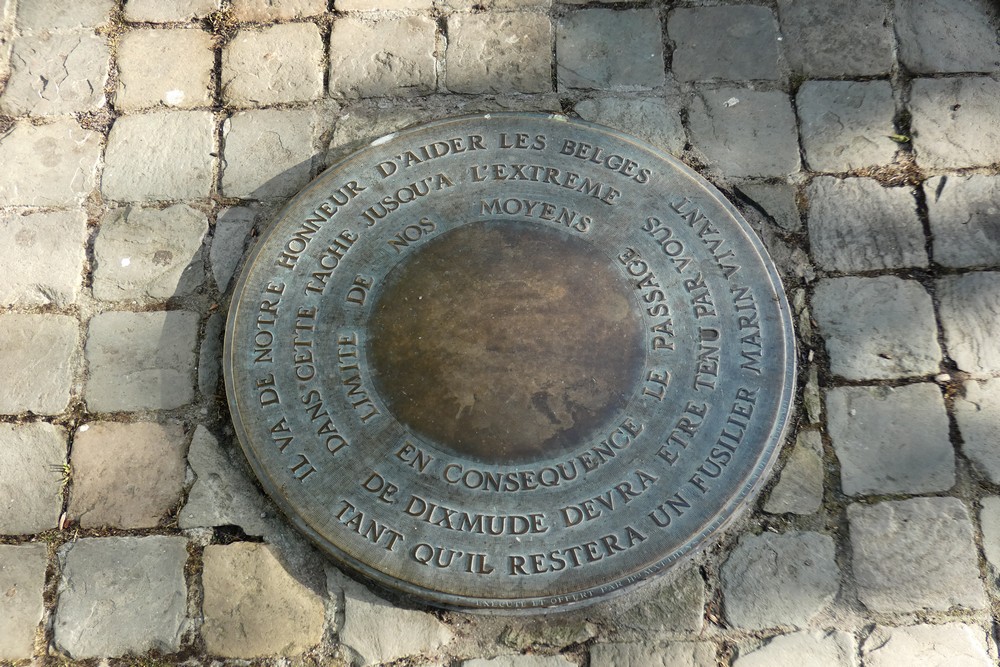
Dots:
pixel 510 361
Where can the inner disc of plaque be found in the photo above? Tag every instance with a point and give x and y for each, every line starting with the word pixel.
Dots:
pixel 509 361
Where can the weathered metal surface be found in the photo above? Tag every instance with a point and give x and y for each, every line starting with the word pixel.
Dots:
pixel 509 361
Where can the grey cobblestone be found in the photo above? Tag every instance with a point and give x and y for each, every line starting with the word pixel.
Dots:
pixel 956 121
pixel 160 155
pixel 166 11
pixel 48 250
pixel 891 440
pixel 270 10
pixel 499 53
pixel 913 555
pixel 977 411
pixel 127 475
pixel 673 607
pixel 210 356
pixel 44 16
pixel 948 36
pixel 52 74
pixel 37 359
pixel 970 313
pixel 846 125
pixel 121 595
pixel 859 47
pixel 857 225
pixel 609 50
pixel 729 43
pixel 384 58
pixel 282 63
pixel 267 153
pixel 877 328
pixel 169 67
pixel 675 654
pixel 141 360
pixel 964 212
pixel 363 5
pixel 803 574
pixel 57 163
pixel 31 477
pixel 813 648
pixel 380 632
pixel 232 232
pixel 729 125
pixel 777 200
pixel 520 661
pixel 654 119
pixel 989 519
pixel 951 644
pixel 22 578
pixel 147 252
pixel 800 486
pixel 253 607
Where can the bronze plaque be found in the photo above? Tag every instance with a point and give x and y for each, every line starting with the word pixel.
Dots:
pixel 509 361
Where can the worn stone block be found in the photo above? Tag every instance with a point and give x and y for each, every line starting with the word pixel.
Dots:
pixel 168 67
pixel 149 253
pixel 141 361
pixel 56 74
pixel 267 153
pixel 964 212
pixel 168 11
pixel 814 648
pixel 490 5
pixel 777 200
pixel 160 155
pixel 499 53
pixel 380 632
pixel 802 574
pixel 654 119
pixel 745 133
pixel 222 494
pixel 860 46
pixel 253 607
pixel 913 555
pixel 857 225
pixel 679 654
pixel 956 121
pixel 210 356
pixel 877 328
pixel 127 475
pixel 121 595
pixel 386 58
pixel 56 163
pixel 970 315
pixel 846 125
pixel 22 578
pixel 368 5
pixel 891 440
pixel 948 35
pixel 37 359
pixel 282 63
pixel 951 644
pixel 989 519
pixel 31 477
pixel 520 661
pixel 276 10
pixel 800 486
pixel 673 607
pixel 48 250
pixel 610 50
pixel 730 42
pixel 977 411
pixel 232 231
pixel 46 16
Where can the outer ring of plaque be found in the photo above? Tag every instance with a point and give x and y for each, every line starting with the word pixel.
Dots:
pixel 737 502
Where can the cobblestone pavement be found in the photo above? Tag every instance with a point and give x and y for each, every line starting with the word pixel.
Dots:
pixel 144 144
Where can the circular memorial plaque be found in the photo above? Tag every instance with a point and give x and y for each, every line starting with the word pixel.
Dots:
pixel 510 361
